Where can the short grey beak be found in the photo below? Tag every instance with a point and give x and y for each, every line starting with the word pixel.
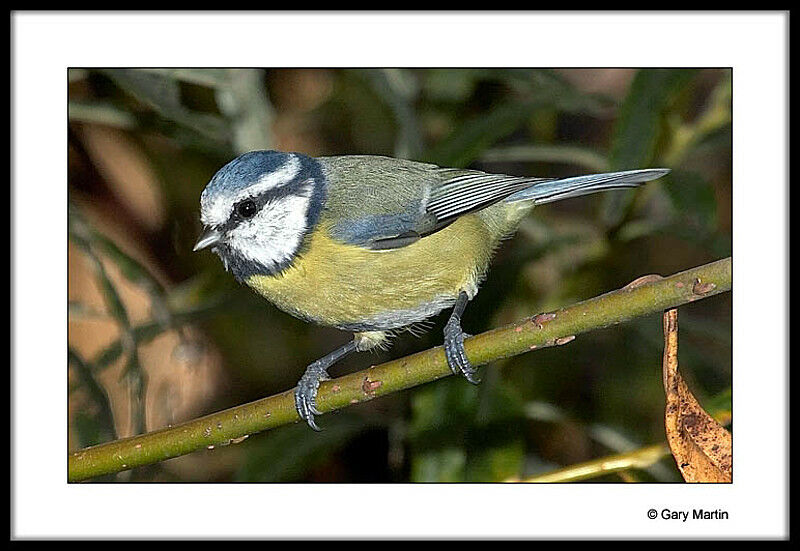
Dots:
pixel 208 238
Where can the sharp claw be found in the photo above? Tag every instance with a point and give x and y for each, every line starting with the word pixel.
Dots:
pixel 305 397
pixel 306 410
pixel 455 353
pixel 470 376
pixel 312 424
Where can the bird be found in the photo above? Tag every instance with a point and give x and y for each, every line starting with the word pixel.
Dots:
pixel 371 244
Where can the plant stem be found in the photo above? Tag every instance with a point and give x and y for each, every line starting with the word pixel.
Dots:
pixel 646 295
pixel 636 459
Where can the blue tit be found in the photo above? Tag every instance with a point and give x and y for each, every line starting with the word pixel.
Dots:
pixel 371 244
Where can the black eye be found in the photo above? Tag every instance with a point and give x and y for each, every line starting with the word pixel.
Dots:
pixel 246 209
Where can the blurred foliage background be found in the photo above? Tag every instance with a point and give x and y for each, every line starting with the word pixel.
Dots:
pixel 159 335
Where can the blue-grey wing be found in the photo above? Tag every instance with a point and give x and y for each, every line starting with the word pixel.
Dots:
pixel 381 231
pixel 384 203
pixel 377 202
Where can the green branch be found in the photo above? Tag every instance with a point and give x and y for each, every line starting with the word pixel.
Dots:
pixel 646 295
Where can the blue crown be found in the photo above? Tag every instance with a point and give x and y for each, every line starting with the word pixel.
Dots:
pixel 246 169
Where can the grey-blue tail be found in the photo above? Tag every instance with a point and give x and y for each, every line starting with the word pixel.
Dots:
pixel 555 190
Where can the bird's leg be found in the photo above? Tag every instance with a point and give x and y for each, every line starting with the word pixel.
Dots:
pixel 454 342
pixel 305 394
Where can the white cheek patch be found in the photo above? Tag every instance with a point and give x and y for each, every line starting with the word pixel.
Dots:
pixel 275 233
pixel 216 211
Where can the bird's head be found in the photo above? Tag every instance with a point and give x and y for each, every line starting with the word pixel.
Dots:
pixel 258 208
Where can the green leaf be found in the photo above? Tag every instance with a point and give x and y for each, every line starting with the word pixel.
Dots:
pixel 638 129
pixel 693 199
pixel 148 331
pixel 466 142
pixel 721 402
pixel 553 89
pixel 442 465
pixel 451 85
pixel 495 442
pixel 81 235
pixel 439 422
pixel 137 274
pixel 497 453
pixel 540 89
pixel 162 93
pixel 713 122
pixel 90 431
pixel 462 432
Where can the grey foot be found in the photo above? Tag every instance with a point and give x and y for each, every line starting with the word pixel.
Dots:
pixel 305 395
pixel 454 350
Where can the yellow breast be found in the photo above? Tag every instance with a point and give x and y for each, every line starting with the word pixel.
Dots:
pixel 346 286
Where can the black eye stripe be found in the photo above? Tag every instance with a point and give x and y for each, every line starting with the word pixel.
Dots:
pixel 299 188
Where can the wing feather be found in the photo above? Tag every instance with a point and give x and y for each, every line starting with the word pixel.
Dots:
pixel 468 191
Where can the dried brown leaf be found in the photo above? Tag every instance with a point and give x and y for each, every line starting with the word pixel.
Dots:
pixel 701 446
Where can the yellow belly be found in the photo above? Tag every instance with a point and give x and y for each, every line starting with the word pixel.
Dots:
pixel 346 286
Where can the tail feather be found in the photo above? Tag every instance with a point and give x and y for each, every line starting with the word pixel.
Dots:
pixel 565 188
